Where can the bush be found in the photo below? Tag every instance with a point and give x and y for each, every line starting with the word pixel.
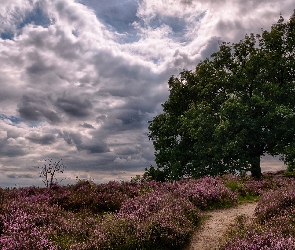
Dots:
pixel 165 220
pixel 270 240
pixel 96 198
pixel 26 228
pixel 274 227
pixel 207 192
pixel 274 202
pixel 139 214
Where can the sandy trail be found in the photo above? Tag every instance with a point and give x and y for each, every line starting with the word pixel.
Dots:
pixel 210 234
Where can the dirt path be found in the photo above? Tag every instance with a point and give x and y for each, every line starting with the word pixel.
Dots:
pixel 209 235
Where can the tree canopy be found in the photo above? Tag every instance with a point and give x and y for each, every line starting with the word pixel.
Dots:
pixel 236 106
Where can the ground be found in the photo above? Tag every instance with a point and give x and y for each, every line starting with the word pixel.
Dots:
pixel 210 235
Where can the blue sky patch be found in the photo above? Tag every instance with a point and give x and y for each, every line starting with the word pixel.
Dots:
pixel 13 119
pixel 117 15
pixel 36 17
pixel 8 35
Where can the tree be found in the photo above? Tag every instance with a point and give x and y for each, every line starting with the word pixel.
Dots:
pixel 49 171
pixel 235 107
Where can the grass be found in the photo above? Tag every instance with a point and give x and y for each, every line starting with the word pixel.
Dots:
pixel 248 198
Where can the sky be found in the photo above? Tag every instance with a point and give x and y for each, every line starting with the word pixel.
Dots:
pixel 79 80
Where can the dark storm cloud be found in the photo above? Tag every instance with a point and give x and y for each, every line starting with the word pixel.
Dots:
pixel 75 106
pixel 46 139
pixel 142 104
pixel 65 47
pixel 65 9
pixel 39 68
pixel 107 63
pixel 129 117
pixel 7 150
pixel 33 108
pixel 11 151
pixel 123 119
pixel 101 118
pixel 121 78
pixel 87 125
pixel 92 146
pixel 127 150
pixel 71 138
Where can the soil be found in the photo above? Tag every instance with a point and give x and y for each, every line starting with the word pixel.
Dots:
pixel 210 234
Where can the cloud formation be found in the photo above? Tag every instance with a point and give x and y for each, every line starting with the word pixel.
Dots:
pixel 81 79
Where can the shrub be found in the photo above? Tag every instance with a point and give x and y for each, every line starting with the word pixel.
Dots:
pixel 270 240
pixel 96 198
pixel 274 202
pixel 24 230
pixel 153 219
pixel 274 227
pixel 207 192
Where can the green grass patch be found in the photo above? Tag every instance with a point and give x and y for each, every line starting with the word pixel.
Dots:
pixel 248 198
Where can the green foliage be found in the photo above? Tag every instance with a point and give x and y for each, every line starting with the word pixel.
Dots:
pixel 235 107
pixel 234 185
pixel 154 174
pixel 290 173
pixel 248 198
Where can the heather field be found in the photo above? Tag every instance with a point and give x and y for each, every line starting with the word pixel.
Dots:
pixel 143 214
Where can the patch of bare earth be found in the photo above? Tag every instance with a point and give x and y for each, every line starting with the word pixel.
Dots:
pixel 210 235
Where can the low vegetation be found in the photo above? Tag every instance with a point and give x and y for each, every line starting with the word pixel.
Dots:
pixel 274 226
pixel 142 214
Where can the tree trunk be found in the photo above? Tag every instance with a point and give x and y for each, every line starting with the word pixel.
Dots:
pixel 255 167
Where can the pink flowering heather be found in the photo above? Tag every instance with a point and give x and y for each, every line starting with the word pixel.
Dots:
pixel 155 220
pixel 261 241
pixel 139 214
pixel 100 198
pixel 274 202
pixel 274 227
pixel 207 192
pixel 164 219
pixel 20 230
pixel 258 187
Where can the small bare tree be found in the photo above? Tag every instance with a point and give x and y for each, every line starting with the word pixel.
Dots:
pixel 49 170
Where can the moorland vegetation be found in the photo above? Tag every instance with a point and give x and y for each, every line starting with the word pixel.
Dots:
pixel 144 214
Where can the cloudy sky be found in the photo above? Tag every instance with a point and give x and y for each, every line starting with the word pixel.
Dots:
pixel 79 80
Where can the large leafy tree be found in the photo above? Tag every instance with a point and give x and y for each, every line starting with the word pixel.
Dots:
pixel 236 106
